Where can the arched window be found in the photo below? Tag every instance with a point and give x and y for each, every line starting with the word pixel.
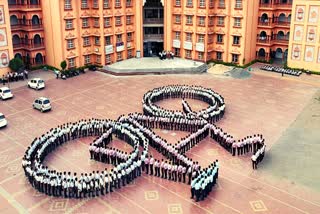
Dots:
pixel 14 20
pixel 34 2
pixel 262 52
pixel 282 18
pixel 39 59
pixel 37 40
pixel 15 40
pixel 35 20
pixel 280 35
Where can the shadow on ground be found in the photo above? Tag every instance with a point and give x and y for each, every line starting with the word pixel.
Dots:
pixel 296 155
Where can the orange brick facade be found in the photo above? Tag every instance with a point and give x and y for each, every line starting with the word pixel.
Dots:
pixel 106 31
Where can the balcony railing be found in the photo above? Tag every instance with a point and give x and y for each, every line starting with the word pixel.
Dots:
pixel 264 21
pixel 283 23
pixel 153 21
pixel 24 6
pixel 273 38
pixel 153 36
pixel 29 45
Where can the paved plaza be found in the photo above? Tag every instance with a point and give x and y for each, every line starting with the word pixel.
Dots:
pixel 286 110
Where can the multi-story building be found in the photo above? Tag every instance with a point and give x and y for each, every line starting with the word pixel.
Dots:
pixel 26 20
pixel 107 31
pixel 6 51
pixel 199 30
pixel 304 45
pixel 90 31
pixel 273 29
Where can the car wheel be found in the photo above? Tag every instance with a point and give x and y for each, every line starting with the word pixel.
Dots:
pixel 29 86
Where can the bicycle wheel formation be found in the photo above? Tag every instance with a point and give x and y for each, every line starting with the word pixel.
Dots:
pixel 136 130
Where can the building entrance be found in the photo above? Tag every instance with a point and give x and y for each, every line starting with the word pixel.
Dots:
pixel 152 28
pixel 151 49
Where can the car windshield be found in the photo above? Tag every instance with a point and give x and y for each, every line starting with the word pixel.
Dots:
pixel 1 117
pixel 40 81
pixel 6 91
pixel 46 102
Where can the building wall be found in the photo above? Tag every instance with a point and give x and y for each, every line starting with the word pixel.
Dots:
pixel 26 21
pixel 6 50
pixel 304 44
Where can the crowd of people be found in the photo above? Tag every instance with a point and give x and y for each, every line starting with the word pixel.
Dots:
pixel 15 76
pixel 166 55
pixel 281 70
pixel 136 130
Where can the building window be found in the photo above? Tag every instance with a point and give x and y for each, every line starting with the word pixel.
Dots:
pixel 86 41
pixel 202 3
pixel 118 20
pixel 235 58
pixel 119 56
pixel 238 4
pixel 129 37
pixel 97 40
pixel 178 3
pixel 119 38
pixel 177 35
pixel 108 40
pixel 98 59
pixel 219 38
pixel 70 44
pixel 177 51
pixel 69 24
pixel 188 37
pixel 200 55
pixel 130 54
pixel 219 56
pixel 221 4
pixel 220 21
pixel 201 21
pixel 189 3
pixel 87 59
pixel 188 54
pixel 129 3
pixel 108 59
pixel 211 3
pixel 237 22
pixel 96 22
pixel 85 22
pixel 95 4
pixel 67 5
pixel 178 19
pixel 107 22
pixel 236 40
pixel 211 20
pixel 201 38
pixel 106 4
pixel 128 22
pixel 209 56
pixel 189 20
pixel 84 4
pixel 71 63
pixel 117 3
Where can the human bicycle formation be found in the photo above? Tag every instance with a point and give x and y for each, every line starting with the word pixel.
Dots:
pixel 136 130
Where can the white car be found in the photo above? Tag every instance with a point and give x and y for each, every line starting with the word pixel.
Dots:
pixel 5 93
pixel 3 121
pixel 36 83
pixel 42 104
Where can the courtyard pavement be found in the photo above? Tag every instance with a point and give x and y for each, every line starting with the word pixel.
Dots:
pixel 279 108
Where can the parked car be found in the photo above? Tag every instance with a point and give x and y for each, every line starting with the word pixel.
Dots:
pixel 36 83
pixel 3 121
pixel 42 104
pixel 5 93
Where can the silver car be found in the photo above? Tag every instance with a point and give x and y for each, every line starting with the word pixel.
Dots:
pixel 42 104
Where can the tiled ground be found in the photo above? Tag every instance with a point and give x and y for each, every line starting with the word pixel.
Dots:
pixel 261 104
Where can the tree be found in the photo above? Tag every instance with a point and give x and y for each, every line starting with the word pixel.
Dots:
pixel 16 64
pixel 63 65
